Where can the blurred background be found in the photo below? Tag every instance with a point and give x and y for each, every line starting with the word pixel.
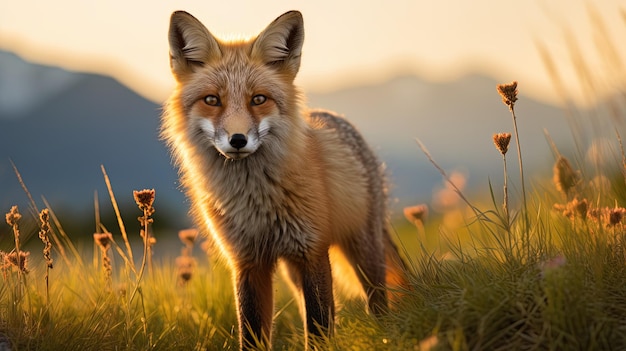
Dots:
pixel 82 84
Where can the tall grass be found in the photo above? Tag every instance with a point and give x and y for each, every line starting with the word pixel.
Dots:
pixel 497 282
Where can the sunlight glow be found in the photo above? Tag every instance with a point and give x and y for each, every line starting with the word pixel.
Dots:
pixel 345 45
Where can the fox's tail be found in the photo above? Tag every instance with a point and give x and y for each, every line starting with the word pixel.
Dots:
pixel 396 280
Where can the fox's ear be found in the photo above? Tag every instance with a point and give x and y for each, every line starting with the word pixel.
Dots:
pixel 280 44
pixel 191 44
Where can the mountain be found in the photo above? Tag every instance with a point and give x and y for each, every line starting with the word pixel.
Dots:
pixel 61 137
pixel 58 127
pixel 455 120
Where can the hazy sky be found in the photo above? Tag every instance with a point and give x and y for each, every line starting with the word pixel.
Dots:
pixel 346 42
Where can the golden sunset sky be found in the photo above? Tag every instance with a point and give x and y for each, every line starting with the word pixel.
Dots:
pixel 347 42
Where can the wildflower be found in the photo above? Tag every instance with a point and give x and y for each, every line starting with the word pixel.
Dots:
pixel 417 213
pixel 144 199
pixel 508 92
pixel 565 178
pixel 17 260
pixel 44 218
pixel 610 217
pixel 615 216
pixel 501 141
pixel 188 236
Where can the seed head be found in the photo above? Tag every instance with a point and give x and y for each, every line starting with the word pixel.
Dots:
pixel 44 218
pixel 501 141
pixel 188 236
pixel 19 261
pixel 615 216
pixel 564 178
pixel 13 216
pixel 144 199
pixel 508 92
pixel 103 240
pixel 417 213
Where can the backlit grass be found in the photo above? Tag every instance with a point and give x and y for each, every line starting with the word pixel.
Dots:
pixel 545 272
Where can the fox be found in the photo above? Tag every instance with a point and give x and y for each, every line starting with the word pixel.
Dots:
pixel 272 183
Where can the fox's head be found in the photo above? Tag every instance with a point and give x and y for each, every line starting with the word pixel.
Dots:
pixel 234 94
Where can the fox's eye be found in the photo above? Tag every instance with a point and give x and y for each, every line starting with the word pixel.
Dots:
pixel 258 99
pixel 212 100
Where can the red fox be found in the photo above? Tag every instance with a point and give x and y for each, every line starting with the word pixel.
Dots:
pixel 270 181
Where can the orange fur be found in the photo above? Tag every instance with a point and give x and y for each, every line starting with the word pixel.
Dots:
pixel 269 181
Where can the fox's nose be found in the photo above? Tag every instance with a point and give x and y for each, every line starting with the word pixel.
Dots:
pixel 238 141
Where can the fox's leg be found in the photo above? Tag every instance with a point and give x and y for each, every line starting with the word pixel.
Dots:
pixel 315 279
pixel 367 256
pixel 255 306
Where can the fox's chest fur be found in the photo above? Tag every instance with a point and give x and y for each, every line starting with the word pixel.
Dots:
pixel 259 210
pixel 287 200
pixel 266 206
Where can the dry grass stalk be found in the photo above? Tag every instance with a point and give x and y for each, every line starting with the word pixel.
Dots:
pixel 508 93
pixel 44 230
pixel 449 181
pixel 120 222
pixel 12 218
pixel 145 199
pixel 44 218
pixel 501 141
pixel 104 240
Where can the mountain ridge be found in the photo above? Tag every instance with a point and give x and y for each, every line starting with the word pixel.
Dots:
pixel 59 143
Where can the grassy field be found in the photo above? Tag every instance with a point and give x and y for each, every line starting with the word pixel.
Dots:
pixel 544 272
